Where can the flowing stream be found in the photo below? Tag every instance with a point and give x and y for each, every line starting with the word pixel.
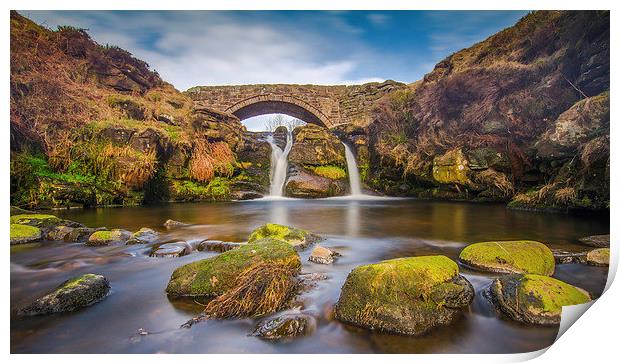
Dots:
pixel 363 231
pixel 354 175
pixel 279 165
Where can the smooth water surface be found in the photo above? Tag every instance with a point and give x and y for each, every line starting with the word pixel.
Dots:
pixel 363 231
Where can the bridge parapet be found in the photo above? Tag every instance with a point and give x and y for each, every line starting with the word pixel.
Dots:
pixel 324 105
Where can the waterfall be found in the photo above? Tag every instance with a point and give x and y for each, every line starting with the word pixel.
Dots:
pixel 279 164
pixel 354 175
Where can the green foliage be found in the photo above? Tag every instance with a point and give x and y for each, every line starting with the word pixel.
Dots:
pixel 217 189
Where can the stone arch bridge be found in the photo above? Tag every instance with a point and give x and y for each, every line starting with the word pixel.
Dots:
pixel 328 106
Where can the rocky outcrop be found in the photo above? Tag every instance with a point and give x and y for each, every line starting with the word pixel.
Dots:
pixel 71 295
pixel 535 299
pixel 505 120
pixel 510 257
pixel 407 296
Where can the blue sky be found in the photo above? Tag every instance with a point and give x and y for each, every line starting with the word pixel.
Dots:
pixel 190 48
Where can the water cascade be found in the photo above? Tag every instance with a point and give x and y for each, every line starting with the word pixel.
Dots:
pixel 279 165
pixel 354 175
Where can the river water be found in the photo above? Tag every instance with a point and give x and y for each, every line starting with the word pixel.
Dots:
pixel 364 231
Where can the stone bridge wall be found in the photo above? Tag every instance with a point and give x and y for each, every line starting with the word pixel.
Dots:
pixel 326 105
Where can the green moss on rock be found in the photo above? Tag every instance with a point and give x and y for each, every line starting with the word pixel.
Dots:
pixel 106 237
pixel 21 234
pixel 38 220
pixel 298 238
pixel 520 256
pixel 405 295
pixel 214 276
pixel 534 298
pixel 331 172
pixel 598 257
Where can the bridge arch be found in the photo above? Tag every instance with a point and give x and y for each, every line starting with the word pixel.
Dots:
pixel 279 104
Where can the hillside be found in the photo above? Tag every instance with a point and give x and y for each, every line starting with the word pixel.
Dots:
pixel 521 116
pixel 92 125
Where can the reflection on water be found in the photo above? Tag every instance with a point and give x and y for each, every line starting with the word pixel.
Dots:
pixel 364 231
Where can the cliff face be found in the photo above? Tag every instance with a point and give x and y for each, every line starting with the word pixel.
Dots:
pixel 521 116
pixel 92 125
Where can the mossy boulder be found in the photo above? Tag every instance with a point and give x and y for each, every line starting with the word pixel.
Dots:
pixel 298 238
pixel 21 234
pixel 107 237
pixel 597 241
pixel 535 299
pixel 404 296
pixel 598 257
pixel 306 183
pixel 316 146
pixel 80 234
pixel 521 256
pixel 39 220
pixel 215 276
pixel 71 295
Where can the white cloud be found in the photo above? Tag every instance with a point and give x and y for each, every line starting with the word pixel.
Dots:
pixel 378 19
pixel 216 48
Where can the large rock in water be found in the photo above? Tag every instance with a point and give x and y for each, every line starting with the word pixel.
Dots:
pixel 520 256
pixel 404 296
pixel 107 237
pixel 71 295
pixel 21 234
pixel 285 325
pixel 598 257
pixel 303 183
pixel 143 236
pixel 297 238
pixel 215 276
pixel 535 299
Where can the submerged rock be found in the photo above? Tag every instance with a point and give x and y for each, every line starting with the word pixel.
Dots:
pixel 566 257
pixel 71 295
pixel 597 241
pixel 404 296
pixel 322 255
pixel 143 236
pixel 21 234
pixel 535 299
pixel 298 238
pixel 171 250
pixel 285 325
pixel 598 257
pixel 172 224
pixel 521 256
pixel 107 237
pixel 216 275
pixel 217 246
